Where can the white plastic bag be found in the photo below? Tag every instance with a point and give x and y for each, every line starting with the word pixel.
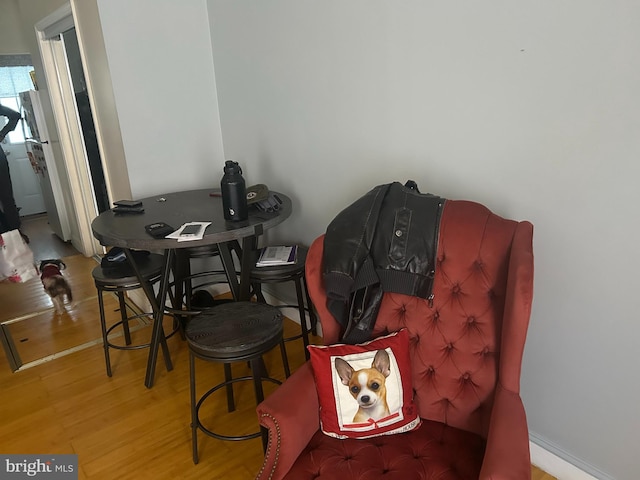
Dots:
pixel 16 258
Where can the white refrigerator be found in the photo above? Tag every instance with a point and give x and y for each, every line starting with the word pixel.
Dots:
pixel 42 160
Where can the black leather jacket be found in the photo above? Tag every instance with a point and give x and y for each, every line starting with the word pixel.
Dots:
pixel 386 241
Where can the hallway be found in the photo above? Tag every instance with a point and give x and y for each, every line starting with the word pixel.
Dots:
pixel 43 242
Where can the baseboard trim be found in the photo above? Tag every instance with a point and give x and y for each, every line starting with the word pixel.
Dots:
pixel 560 464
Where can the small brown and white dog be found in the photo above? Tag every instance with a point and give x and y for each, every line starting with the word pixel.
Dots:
pixel 54 283
pixel 367 386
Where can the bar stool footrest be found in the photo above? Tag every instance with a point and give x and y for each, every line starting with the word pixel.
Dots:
pixel 209 392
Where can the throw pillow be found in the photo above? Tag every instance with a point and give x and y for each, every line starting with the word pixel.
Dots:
pixel 365 390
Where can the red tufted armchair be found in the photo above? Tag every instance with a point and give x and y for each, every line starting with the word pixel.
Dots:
pixel 466 354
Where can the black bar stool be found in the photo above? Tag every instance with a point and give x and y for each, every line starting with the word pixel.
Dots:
pixel 289 273
pixel 232 332
pixel 119 281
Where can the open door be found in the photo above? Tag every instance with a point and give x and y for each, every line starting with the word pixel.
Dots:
pixel 83 177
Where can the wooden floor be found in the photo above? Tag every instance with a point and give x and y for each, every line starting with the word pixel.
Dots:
pixel 116 426
pixel 43 242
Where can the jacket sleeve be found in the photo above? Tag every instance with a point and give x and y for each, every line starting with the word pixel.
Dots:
pixel 347 242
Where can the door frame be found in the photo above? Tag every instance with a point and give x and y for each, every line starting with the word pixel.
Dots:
pixel 67 121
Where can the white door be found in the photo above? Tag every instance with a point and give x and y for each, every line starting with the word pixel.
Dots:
pixel 26 185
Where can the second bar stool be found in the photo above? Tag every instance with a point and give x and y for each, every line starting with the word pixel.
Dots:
pixel 289 273
pixel 119 283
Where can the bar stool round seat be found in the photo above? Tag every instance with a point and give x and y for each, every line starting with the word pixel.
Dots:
pixel 294 272
pixel 232 332
pixel 150 267
pixel 118 281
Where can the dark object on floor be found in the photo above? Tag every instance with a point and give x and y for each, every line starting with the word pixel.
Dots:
pixel 202 299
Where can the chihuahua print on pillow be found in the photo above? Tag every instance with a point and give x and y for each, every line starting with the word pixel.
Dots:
pixel 368 389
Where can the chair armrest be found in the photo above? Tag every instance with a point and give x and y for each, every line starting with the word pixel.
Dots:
pixel 507 453
pixel 291 414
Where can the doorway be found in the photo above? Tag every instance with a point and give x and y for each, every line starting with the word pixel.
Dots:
pixel 85 114
pixel 14 78
pixel 86 190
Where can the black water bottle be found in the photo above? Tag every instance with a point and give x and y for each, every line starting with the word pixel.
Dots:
pixel 234 193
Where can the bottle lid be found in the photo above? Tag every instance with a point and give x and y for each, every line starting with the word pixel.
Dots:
pixel 232 167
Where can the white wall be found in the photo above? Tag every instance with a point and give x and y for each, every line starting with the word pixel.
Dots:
pixel 529 107
pixel 13 40
pixel 160 60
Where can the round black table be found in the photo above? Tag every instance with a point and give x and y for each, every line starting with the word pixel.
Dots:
pixel 128 232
